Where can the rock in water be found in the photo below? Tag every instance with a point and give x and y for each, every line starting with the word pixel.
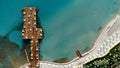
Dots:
pixel 10 54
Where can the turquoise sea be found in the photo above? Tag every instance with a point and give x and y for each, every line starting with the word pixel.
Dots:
pixel 68 25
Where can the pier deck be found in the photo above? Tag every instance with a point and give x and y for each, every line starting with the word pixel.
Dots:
pixel 30 31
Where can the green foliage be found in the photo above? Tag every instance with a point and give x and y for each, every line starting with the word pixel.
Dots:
pixel 111 60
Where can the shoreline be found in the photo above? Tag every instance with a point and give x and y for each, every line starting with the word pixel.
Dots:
pixel 102 34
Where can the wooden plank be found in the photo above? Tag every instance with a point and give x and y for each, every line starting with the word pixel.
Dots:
pixel 30 31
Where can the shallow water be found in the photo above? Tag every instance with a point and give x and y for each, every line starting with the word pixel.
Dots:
pixel 68 25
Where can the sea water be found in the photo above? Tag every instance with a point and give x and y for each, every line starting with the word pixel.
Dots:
pixel 68 25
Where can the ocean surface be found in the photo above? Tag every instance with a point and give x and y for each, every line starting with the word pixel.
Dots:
pixel 68 25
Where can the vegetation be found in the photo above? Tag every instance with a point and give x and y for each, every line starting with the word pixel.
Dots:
pixel 111 60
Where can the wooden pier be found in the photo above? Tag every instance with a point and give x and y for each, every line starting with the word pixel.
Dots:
pixel 31 32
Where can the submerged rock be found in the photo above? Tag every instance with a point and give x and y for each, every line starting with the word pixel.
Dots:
pixel 18 27
pixel 10 54
pixel 61 60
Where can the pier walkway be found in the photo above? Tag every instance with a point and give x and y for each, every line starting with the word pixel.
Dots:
pixel 109 38
pixel 31 32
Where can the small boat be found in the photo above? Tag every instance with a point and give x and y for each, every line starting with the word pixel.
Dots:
pixel 78 54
